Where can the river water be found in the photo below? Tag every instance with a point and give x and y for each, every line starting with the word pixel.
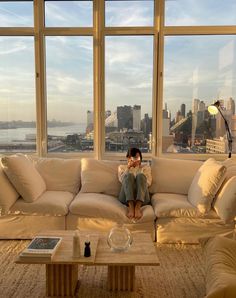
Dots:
pixel 19 134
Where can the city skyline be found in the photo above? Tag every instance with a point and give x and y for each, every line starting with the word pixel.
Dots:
pixel 193 131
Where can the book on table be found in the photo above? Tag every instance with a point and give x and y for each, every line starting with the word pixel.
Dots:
pixel 42 247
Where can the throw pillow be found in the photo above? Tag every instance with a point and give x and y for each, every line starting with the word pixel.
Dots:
pixel 23 175
pixel 205 184
pixel 8 194
pixel 100 176
pixel 220 266
pixel 225 203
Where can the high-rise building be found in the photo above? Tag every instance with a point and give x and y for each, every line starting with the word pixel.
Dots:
pixel 136 118
pixel 125 117
pixel 178 117
pixel 183 109
pixel 146 125
pixel 230 105
pixel 165 114
pixel 220 124
pixel 89 127
pixel 195 109
pixel 202 106
pixel 89 118
pixel 107 114
pixel 233 131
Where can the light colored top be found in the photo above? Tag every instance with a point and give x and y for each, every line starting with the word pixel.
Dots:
pixel 145 169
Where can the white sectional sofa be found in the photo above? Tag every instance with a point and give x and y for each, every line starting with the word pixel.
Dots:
pixel 177 219
pixel 83 194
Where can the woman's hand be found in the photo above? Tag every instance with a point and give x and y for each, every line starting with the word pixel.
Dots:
pixel 130 164
pixel 133 163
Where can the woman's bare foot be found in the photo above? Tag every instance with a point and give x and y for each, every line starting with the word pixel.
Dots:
pixel 137 210
pixel 130 213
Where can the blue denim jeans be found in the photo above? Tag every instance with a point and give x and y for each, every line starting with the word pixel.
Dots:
pixel 133 189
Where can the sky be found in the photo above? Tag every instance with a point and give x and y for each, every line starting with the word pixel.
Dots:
pixel 201 67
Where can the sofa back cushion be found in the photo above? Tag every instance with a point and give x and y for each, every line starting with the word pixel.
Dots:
pixel 8 194
pixel 100 176
pixel 172 175
pixel 22 173
pixel 230 165
pixel 225 201
pixel 60 174
pixel 205 184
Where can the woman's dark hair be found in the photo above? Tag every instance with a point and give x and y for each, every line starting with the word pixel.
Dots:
pixel 132 153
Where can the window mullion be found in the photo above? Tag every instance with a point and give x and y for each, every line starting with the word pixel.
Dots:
pixel 158 80
pixel 40 78
pixel 99 133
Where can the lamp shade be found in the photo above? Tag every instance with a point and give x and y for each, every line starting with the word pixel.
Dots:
pixel 212 109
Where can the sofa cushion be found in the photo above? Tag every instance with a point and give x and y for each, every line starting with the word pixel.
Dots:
pixel 176 205
pixel 230 165
pixel 23 175
pixel 60 174
pixel 205 184
pixel 99 176
pixel 54 203
pixel 166 175
pixel 8 194
pixel 220 265
pixel 225 202
pixel 105 206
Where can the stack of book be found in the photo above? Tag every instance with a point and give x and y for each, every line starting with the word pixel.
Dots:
pixel 43 247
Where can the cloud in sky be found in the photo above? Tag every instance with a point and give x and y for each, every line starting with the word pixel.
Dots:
pixel 200 12
pixel 129 13
pixel 16 14
pixel 68 13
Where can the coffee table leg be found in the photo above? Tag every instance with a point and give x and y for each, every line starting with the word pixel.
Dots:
pixel 121 278
pixel 61 279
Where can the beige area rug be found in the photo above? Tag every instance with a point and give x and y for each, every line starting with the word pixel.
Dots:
pixel 180 275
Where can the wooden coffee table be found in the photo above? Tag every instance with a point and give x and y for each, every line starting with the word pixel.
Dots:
pixel 62 270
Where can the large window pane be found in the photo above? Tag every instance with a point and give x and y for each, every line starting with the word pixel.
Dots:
pixel 69 66
pixel 129 13
pixel 200 12
pixel 17 95
pixel 128 89
pixel 69 13
pixel 198 70
pixel 16 14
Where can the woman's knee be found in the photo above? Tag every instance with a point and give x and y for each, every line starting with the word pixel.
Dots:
pixel 141 177
pixel 129 177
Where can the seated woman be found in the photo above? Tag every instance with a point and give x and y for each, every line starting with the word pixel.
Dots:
pixel 135 179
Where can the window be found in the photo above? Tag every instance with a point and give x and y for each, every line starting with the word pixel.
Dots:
pixel 200 12
pixel 128 115
pixel 198 70
pixel 16 14
pixel 69 13
pixel 17 94
pixel 129 13
pixel 69 71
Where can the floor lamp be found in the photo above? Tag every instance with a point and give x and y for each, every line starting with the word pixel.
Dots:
pixel 213 110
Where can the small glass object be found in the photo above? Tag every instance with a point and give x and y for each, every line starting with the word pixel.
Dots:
pixel 119 238
pixel 76 245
